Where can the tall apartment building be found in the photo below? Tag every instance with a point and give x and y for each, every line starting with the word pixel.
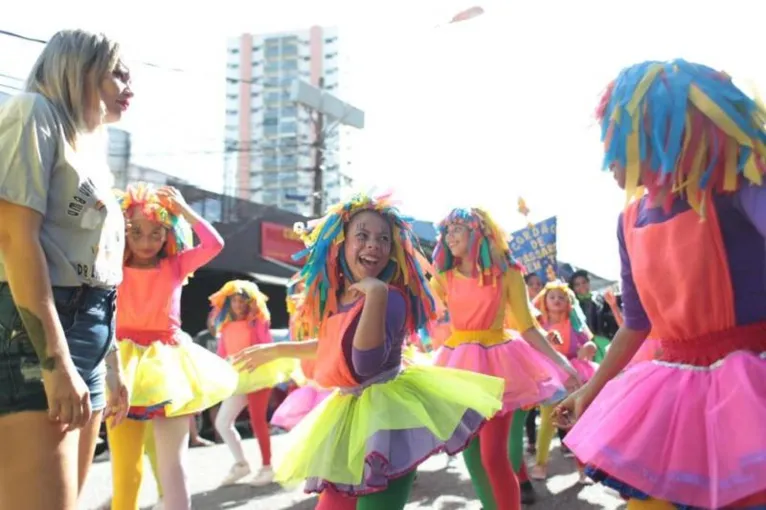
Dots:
pixel 269 155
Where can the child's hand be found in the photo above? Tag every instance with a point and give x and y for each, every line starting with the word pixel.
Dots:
pixel 369 286
pixel 171 199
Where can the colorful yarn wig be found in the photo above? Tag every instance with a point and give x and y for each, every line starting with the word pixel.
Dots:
pixel 221 302
pixel 326 269
pixel 576 315
pixel 488 245
pixel 143 197
pixel 684 128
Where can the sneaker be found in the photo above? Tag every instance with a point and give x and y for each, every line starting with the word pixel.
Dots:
pixel 237 472
pixel 528 494
pixel 106 505
pixel 264 476
pixel 159 505
pixel 538 473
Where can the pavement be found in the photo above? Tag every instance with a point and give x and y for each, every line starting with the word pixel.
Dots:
pixel 442 484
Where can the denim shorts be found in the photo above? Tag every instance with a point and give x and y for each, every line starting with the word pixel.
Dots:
pixel 87 316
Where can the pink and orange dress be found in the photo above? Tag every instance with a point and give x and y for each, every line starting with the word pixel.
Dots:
pixel 169 375
pixel 687 427
pixel 485 321
pixel 302 401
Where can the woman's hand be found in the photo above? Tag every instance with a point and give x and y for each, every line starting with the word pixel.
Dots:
pixel 611 299
pixel 571 408
pixel 253 357
pixel 68 395
pixel 587 352
pixel 119 397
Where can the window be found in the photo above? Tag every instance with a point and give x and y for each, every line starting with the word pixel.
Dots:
pixel 270 178
pixel 290 64
pixel 270 196
pixel 288 160
pixel 288 127
pixel 270 121
pixel 270 130
pixel 288 111
pixel 290 177
pixel 233 51
pixel 232 66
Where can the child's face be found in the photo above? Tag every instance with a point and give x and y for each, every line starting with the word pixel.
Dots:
pixel 457 239
pixel 534 286
pixel 145 238
pixel 368 245
pixel 240 306
pixel 556 301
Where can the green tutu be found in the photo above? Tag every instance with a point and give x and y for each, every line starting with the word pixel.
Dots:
pixel 357 439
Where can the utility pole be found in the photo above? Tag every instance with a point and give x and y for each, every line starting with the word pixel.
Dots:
pixel 319 140
pixel 326 109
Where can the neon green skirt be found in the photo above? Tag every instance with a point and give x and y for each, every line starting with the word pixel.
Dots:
pixel 359 438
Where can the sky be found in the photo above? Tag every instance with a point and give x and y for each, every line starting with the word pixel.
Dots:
pixel 475 113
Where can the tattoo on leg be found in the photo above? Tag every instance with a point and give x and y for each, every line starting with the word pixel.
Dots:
pixel 36 334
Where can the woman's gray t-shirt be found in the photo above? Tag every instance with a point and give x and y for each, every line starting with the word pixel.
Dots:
pixel 83 231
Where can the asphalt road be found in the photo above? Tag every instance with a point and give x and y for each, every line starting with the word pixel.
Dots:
pixel 441 485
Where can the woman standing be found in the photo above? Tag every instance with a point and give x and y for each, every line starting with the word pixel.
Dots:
pixel 61 246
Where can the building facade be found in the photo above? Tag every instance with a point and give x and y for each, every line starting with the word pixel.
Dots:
pixel 269 152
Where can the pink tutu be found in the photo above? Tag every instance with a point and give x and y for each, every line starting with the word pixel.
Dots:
pixel 689 435
pixel 297 405
pixel 530 378
pixel 585 369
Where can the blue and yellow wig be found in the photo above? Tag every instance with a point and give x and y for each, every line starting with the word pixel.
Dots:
pixel 326 269
pixel 221 302
pixel 684 129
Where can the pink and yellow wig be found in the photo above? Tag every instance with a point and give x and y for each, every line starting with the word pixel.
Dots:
pixel 488 245
pixel 142 197
pixel 576 315
pixel 221 302
pixel 326 269
pixel 684 129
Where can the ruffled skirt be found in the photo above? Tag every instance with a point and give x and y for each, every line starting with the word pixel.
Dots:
pixel 174 379
pixel 690 435
pixel 357 440
pixel 530 378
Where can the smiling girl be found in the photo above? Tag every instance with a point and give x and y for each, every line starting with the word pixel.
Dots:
pixel 365 292
pixel 171 377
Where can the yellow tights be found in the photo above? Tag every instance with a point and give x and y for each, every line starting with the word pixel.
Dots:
pixel 545 435
pixel 128 442
pixel 651 504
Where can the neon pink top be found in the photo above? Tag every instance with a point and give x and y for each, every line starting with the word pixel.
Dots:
pixel 239 335
pixel 149 300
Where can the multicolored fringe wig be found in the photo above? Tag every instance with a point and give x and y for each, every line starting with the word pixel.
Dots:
pixel 682 127
pixel 488 245
pixel 221 302
pixel 143 197
pixel 576 315
pixel 326 269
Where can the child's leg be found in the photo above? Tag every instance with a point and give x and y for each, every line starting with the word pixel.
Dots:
pixel 479 478
pixel 225 425
pixel 494 456
pixel 531 426
pixel 151 453
pixel 330 499
pixel 257 405
pixel 516 439
pixel 545 435
pixel 171 436
pixel 395 497
pixel 126 445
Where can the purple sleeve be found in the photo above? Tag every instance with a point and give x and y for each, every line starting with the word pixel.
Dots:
pixel 369 362
pixel 633 311
pixel 753 202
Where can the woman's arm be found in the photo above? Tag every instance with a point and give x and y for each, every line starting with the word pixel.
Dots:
pixel 27 273
pixel 369 361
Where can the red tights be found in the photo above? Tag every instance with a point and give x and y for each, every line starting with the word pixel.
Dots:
pixel 257 405
pixel 330 499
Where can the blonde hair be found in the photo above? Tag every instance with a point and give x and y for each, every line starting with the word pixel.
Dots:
pixel 69 72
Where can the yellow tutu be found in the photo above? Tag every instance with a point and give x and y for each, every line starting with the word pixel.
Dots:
pixel 357 441
pixel 269 375
pixel 174 380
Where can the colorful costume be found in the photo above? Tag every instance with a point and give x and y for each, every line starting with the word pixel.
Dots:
pixel 574 334
pixel 481 308
pixel 687 427
pixel 300 402
pixel 169 375
pixel 368 437
pixel 254 389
